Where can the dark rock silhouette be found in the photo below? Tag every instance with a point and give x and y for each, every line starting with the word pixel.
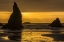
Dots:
pixel 26 22
pixel 56 23
pixel 56 34
pixel 15 20
pixel 1 24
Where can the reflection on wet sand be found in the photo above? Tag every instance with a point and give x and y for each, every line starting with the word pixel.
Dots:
pixel 5 38
pixel 35 36
pixel 27 36
pixel 8 37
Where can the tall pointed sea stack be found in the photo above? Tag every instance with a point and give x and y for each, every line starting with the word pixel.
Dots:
pixel 56 23
pixel 15 20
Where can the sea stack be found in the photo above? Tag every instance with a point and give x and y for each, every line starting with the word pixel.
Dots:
pixel 56 23
pixel 15 20
pixel 1 24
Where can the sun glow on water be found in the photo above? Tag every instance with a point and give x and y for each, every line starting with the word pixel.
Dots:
pixel 29 36
pixel 5 38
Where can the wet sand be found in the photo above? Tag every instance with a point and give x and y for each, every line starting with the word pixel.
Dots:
pixel 4 37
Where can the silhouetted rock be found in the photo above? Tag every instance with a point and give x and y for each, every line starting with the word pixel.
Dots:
pixel 56 23
pixel 26 22
pixel 1 24
pixel 15 20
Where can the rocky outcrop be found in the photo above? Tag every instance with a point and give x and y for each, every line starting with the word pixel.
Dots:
pixel 15 20
pixel 1 24
pixel 56 23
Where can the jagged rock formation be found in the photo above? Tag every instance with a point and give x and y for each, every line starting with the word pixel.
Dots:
pixel 56 34
pixel 15 20
pixel 1 24
pixel 56 23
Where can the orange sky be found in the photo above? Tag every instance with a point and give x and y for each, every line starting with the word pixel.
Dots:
pixel 35 17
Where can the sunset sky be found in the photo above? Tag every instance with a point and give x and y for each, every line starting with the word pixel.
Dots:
pixel 35 17
pixel 34 11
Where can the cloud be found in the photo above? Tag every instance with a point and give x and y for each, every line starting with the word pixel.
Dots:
pixel 33 5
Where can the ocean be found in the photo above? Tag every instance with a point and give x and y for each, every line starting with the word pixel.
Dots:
pixel 32 34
